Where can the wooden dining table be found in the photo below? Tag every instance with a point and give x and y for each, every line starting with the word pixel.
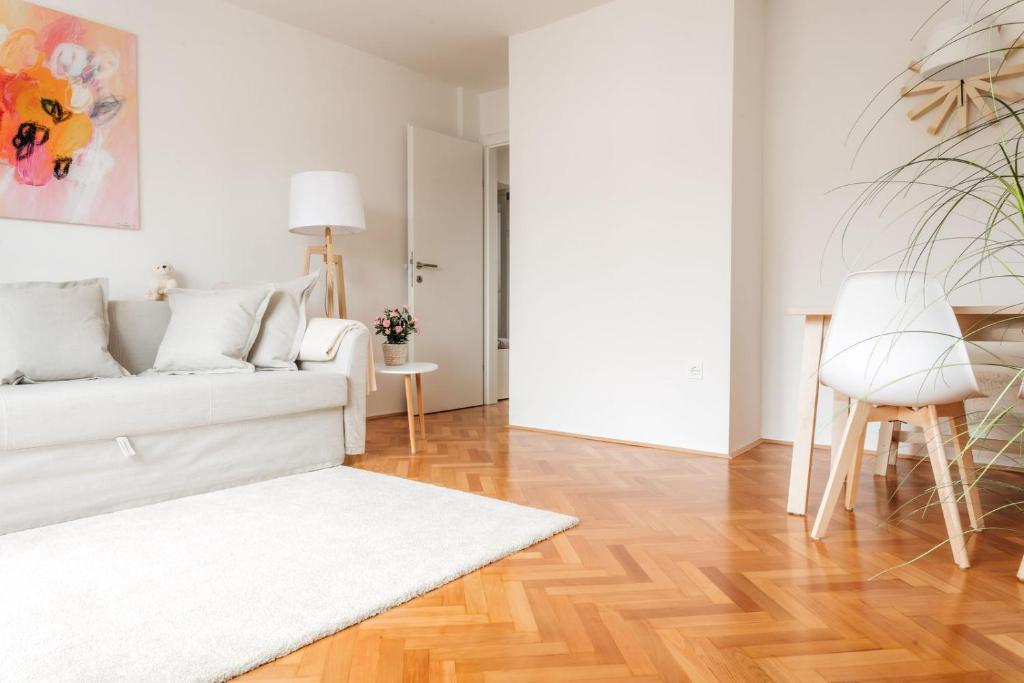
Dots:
pixel 977 324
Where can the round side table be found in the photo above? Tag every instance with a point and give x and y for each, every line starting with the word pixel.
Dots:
pixel 410 370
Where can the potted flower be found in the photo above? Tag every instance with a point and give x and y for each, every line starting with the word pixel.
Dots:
pixel 396 326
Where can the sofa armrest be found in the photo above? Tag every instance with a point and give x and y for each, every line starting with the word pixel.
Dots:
pixel 351 361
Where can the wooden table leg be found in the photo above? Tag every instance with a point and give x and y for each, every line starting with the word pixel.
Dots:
pixel 806 415
pixel 411 413
pixel 419 399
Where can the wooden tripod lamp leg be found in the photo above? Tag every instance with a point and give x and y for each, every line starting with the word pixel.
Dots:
pixel 339 279
pixel 328 262
pixel 335 278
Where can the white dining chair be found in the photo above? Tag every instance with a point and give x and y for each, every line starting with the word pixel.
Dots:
pixel 894 347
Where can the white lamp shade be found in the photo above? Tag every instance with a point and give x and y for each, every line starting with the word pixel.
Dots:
pixel 958 49
pixel 326 199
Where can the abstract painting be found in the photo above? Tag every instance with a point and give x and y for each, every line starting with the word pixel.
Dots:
pixel 69 134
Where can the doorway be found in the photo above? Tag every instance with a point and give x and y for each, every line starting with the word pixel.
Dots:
pixel 497 229
pixel 504 217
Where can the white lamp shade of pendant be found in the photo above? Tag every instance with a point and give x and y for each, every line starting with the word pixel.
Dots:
pixel 326 199
pixel 959 49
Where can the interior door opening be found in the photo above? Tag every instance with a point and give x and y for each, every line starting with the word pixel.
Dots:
pixel 497 294
pixel 504 203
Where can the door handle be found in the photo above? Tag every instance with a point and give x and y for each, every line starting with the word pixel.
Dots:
pixel 420 265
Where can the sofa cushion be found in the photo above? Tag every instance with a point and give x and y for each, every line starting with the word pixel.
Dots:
pixel 211 331
pixel 283 325
pixel 54 413
pixel 53 331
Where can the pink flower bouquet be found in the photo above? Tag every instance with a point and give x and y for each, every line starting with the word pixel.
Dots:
pixel 396 325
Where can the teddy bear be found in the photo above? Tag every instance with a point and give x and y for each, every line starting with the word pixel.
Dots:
pixel 162 280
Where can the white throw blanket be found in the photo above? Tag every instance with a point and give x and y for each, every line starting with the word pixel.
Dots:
pixel 323 338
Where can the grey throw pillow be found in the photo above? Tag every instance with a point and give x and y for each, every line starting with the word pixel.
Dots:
pixel 211 331
pixel 277 345
pixel 51 331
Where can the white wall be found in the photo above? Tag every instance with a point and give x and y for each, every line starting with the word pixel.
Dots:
pixel 468 103
pixel 747 209
pixel 622 136
pixel 231 105
pixel 825 60
pixel 493 107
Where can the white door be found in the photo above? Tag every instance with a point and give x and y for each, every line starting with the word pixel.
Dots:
pixel 446 287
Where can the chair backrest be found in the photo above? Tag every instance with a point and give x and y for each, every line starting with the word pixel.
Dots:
pixel 894 340
pixel 136 330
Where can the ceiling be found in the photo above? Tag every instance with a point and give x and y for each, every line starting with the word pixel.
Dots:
pixel 462 42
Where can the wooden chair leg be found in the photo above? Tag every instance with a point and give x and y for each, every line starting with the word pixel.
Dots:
pixel 965 463
pixel 840 468
pixel 853 477
pixel 1020 571
pixel 840 416
pixel 885 434
pixel 944 487
pixel 894 445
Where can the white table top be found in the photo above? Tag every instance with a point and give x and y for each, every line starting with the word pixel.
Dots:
pixel 406 369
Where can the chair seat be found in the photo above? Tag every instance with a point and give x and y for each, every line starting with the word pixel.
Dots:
pixel 917 396
pixel 52 413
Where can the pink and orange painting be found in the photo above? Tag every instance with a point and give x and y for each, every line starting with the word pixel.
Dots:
pixel 69 132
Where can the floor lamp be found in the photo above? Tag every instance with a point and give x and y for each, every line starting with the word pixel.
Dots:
pixel 324 204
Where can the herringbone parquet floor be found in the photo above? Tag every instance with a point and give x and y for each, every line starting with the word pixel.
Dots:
pixel 683 568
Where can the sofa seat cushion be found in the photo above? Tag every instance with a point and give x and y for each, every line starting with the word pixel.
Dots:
pixel 52 413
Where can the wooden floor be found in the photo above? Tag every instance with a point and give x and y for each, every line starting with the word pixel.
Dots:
pixel 683 568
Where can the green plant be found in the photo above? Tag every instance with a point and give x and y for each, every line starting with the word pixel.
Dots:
pixel 964 200
pixel 396 325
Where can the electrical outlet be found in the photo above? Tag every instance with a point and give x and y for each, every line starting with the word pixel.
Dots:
pixel 695 370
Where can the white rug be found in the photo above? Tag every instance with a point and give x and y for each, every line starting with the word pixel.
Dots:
pixel 208 587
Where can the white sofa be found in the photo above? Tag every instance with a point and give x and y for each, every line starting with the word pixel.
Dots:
pixel 60 453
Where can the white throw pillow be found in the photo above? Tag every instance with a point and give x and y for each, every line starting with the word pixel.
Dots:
pixel 211 331
pixel 284 324
pixel 52 331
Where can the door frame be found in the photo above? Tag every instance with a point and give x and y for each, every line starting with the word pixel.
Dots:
pixel 492 265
